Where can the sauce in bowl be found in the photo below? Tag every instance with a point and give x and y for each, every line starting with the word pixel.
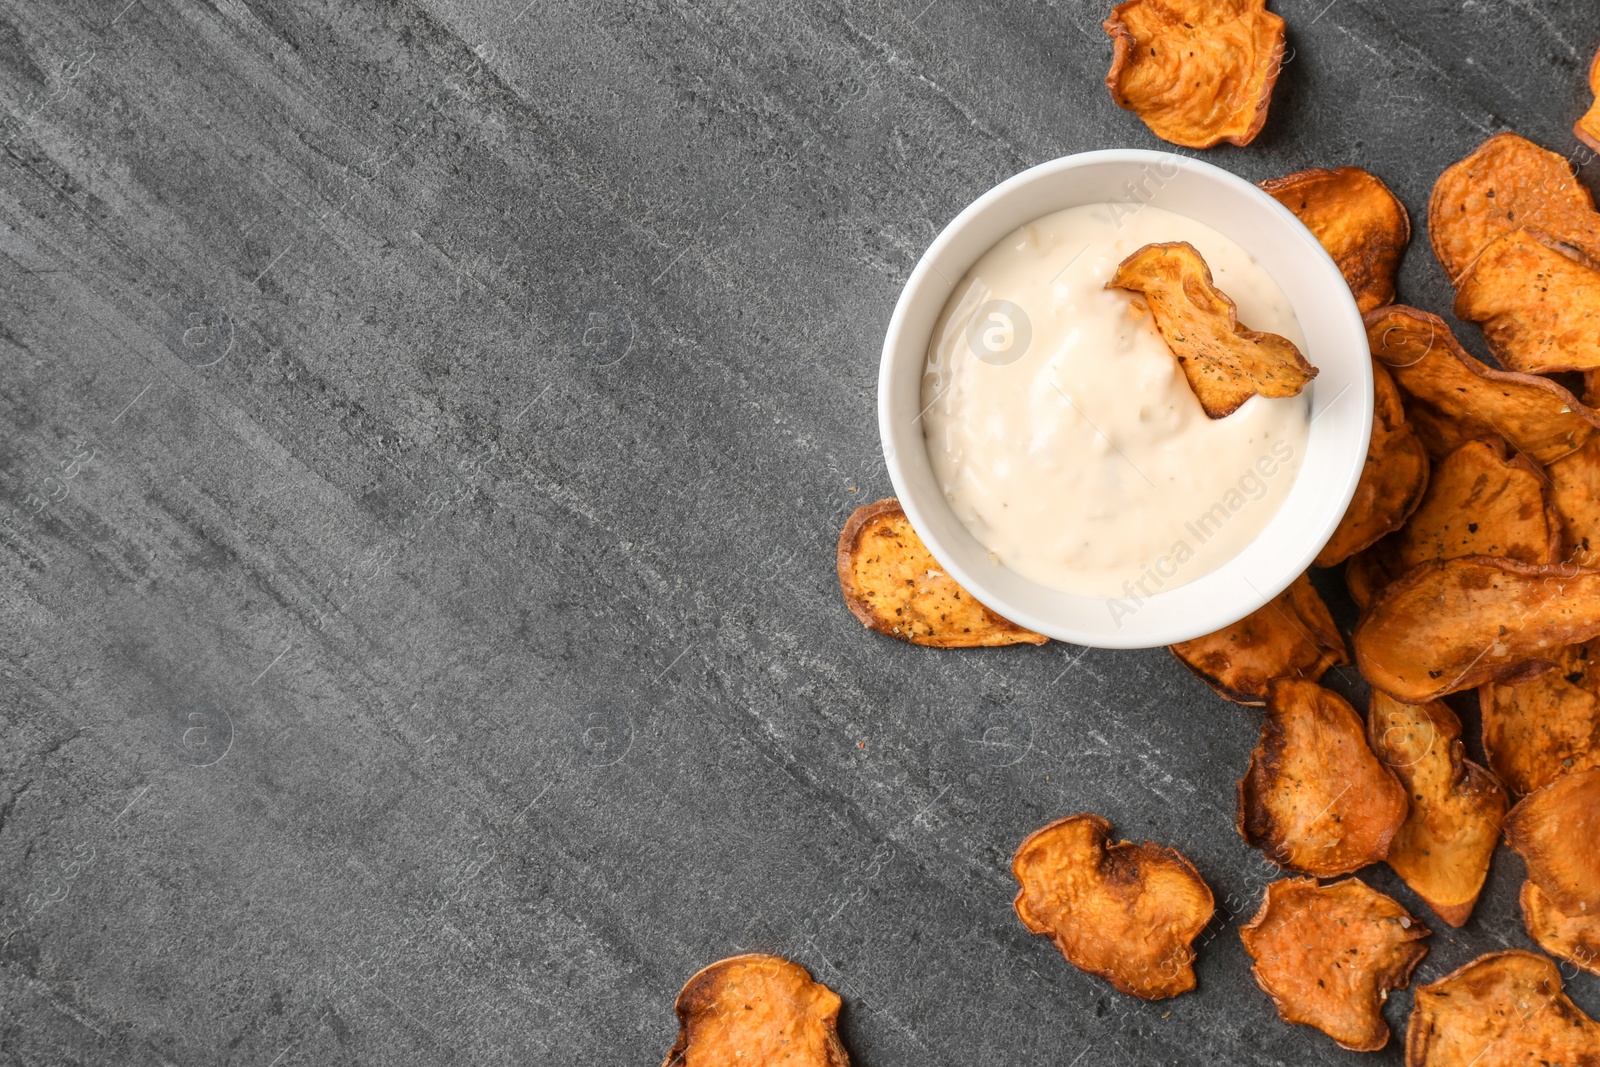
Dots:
pixel 1062 431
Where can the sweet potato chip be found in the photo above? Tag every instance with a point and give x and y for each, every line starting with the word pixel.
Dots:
pixel 1315 799
pixel 1195 71
pixel 1449 625
pixel 1392 482
pixel 1225 363
pixel 1588 127
pixel 894 586
pixel 1507 183
pixel 1505 1009
pixel 1575 495
pixel 1443 848
pixel 1576 940
pixel 1453 398
pixel 1357 219
pixel 1328 956
pixel 756 1009
pixel 1537 731
pixel 1127 913
pixel 1481 502
pixel 1556 831
pixel 1292 636
pixel 1538 302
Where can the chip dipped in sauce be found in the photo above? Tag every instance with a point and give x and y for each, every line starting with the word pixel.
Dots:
pixel 1062 430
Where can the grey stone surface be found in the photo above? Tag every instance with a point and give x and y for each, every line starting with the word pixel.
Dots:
pixel 424 429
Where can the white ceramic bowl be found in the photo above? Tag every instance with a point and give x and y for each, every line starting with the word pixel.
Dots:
pixel 1340 396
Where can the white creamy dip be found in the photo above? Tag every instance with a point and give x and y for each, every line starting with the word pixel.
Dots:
pixel 1062 430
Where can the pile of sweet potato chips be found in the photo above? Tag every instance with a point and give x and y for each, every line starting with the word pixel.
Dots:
pixel 1471 549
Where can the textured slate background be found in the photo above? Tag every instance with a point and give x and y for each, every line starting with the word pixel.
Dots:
pixel 424 429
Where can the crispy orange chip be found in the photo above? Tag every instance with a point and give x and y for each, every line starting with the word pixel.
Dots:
pixel 1588 127
pixel 1576 940
pixel 1481 502
pixel 894 586
pixel 1328 956
pixel 1444 846
pixel 1225 363
pixel 1537 731
pixel 1449 625
pixel 1315 799
pixel 1507 183
pixel 1505 1009
pixel 1127 913
pixel 1392 482
pixel 1195 71
pixel 1452 398
pixel 1575 495
pixel 1357 219
pixel 1293 636
pixel 1556 831
pixel 1538 302
pixel 756 1009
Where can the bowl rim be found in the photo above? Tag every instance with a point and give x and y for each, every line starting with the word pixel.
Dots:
pixel 894 353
